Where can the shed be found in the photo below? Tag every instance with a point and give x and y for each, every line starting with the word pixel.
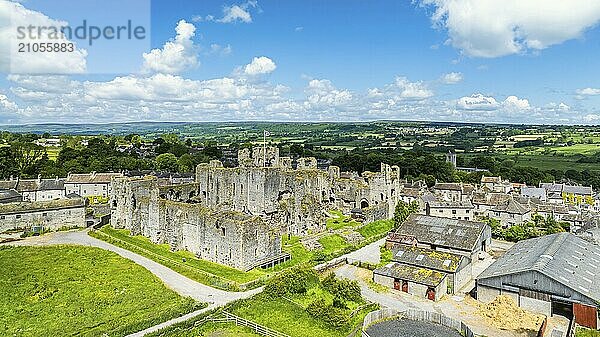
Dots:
pixel 553 275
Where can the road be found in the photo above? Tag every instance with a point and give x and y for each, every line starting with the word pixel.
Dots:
pixel 179 283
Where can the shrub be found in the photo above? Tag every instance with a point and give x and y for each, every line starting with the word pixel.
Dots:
pixel 342 289
pixel 295 280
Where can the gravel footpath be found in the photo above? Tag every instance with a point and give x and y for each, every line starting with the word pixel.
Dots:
pixel 408 328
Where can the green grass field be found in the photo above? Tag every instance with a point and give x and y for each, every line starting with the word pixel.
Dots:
pixel 290 318
pixel 333 243
pixel 83 291
pixel 339 220
pixel 203 271
pixel 376 228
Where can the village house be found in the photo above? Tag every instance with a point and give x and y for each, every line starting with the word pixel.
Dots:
pixel 90 184
pixel 36 189
pixel 496 184
pixel 510 213
pixel 461 210
pixel 454 192
pixel 552 275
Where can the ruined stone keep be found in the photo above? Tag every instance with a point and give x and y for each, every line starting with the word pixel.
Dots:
pixel 236 216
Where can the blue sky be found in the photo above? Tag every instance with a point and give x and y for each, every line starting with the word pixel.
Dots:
pixel 504 61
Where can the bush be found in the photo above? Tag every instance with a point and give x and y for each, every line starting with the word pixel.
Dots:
pixel 342 289
pixel 332 315
pixel 295 280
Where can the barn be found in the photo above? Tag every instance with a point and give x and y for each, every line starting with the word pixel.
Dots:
pixel 553 275
pixel 432 256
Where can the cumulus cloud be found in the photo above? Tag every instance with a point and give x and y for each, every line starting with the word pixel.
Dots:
pixel 515 103
pixel 477 102
pixel 410 90
pixel 177 55
pixel 6 104
pixel 13 15
pixel 238 13
pixel 493 28
pixel 452 78
pixel 322 94
pixel 260 65
pixel 480 102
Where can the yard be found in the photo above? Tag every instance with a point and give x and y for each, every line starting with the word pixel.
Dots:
pixel 84 291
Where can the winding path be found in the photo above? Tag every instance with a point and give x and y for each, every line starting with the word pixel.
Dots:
pixel 179 283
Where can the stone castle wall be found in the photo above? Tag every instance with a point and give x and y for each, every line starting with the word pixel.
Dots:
pixel 236 216
pixel 170 215
pixel 49 215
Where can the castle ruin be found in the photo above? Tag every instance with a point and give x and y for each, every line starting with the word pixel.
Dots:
pixel 237 216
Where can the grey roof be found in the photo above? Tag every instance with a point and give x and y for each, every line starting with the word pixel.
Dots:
pixel 578 190
pixel 10 196
pixel 427 258
pixel 448 186
pixel 563 257
pixel 452 233
pixel 451 204
pixel 414 274
pixel 534 192
pixel 512 207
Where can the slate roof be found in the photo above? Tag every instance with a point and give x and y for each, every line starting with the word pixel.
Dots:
pixel 8 184
pixel 413 274
pixel 29 185
pixel 448 186
pixel 91 178
pixel 572 189
pixel 578 190
pixel 451 204
pixel 512 207
pixel 452 233
pixel 427 258
pixel 10 196
pixel 534 192
pixel 490 199
pixel 563 257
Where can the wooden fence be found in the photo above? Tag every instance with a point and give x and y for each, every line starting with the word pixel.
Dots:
pixel 226 317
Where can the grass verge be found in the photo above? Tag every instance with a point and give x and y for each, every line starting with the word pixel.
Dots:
pixel 83 291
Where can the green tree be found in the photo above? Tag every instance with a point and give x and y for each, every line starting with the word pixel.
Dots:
pixel 166 162
pixel 403 210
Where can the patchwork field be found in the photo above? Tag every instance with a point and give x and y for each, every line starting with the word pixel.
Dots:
pixel 83 291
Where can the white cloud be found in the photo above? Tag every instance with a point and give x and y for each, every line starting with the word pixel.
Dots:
pixel 321 94
pixel 516 104
pixel 452 78
pixel 299 29
pixel 219 49
pixel 177 55
pixel 6 104
pixel 477 102
pixel 238 13
pixel 493 28
pixel 591 118
pixel 260 65
pixel 588 92
pixel 13 15
pixel 411 90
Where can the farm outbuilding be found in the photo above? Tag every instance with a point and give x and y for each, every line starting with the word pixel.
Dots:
pixel 556 274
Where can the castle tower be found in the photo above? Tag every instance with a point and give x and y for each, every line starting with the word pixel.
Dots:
pixel 451 158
